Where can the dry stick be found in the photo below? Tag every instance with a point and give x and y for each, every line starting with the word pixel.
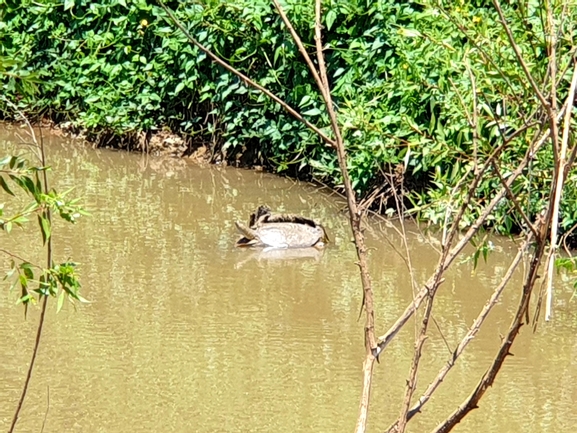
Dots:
pixel 558 192
pixel 386 338
pixel 559 160
pixel 355 216
pixel 473 124
pixel 472 187
pixel 45 300
pixel 549 107
pixel 506 141
pixel 488 378
pixel 302 49
pixel 522 310
pixel 412 380
pixel 569 163
pixel 471 333
pixel 403 235
pixel 244 78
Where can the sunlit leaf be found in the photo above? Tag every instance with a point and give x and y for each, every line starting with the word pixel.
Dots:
pixel 179 87
pixel 331 16
pixel 60 301
pixel 312 112
pixel 44 227
pixel 68 4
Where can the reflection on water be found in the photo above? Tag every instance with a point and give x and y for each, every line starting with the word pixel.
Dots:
pixel 282 257
pixel 184 332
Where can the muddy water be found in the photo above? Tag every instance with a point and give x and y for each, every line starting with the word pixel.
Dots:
pixel 185 333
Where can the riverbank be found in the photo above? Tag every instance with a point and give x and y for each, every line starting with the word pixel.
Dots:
pixel 418 119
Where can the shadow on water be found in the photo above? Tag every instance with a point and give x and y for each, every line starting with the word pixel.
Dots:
pixel 185 332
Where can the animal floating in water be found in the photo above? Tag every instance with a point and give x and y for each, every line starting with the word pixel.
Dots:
pixel 270 230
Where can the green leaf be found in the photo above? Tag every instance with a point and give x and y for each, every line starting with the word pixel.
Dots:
pixel 44 227
pixel 27 270
pixel 304 101
pixel 179 87
pixel 28 185
pixel 4 186
pixel 68 4
pixel 338 72
pixel 312 112
pixel 60 301
pixel 331 17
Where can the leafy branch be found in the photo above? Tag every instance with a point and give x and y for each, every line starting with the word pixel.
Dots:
pixel 37 283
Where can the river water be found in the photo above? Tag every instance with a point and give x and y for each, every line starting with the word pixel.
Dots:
pixel 186 333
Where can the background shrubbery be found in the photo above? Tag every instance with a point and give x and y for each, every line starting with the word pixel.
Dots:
pixel 401 75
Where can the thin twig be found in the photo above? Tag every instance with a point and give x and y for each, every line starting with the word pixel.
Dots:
pixel 469 336
pixel 514 200
pixel 386 338
pixel 420 335
pixel 561 175
pixel 488 378
pixel 355 217
pixel 474 123
pixel 301 47
pixel 45 300
pixel 16 256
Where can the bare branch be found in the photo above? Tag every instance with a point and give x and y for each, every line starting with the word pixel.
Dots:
pixel 469 336
pixel 386 338
pixel 488 378
pixel 561 175
pixel 17 257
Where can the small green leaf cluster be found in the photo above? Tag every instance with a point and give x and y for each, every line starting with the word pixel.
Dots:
pixel 17 174
pixel 59 281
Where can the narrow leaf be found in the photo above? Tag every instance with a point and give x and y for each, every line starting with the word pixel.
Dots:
pixel 44 227
pixel 4 186
pixel 60 301
pixel 312 112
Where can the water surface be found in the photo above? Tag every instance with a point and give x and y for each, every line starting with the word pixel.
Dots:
pixel 185 333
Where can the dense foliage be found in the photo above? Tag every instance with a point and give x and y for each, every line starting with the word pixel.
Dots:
pixel 403 75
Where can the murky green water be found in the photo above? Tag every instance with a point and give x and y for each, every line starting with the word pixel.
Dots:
pixel 185 333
